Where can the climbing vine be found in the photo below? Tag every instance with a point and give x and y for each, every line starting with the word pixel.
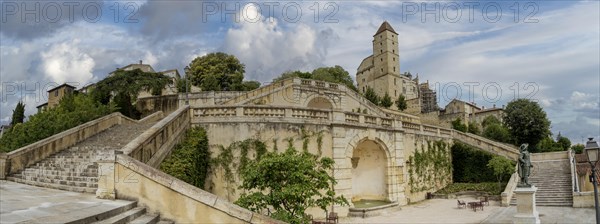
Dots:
pixel 430 166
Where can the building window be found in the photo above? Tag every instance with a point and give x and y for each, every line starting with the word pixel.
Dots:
pixel 381 59
pixel 395 92
pixel 56 93
pixel 382 70
pixel 380 44
pixel 394 68
pixel 394 51
pixel 394 81
pixel 394 59
pixel 393 43
pixel 381 36
pixel 363 88
pixel 381 51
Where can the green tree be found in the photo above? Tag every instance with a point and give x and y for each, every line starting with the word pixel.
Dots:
pixel 190 160
pixel 563 142
pixel 335 74
pixel 401 103
pixel 125 86
pixel 249 85
pixel 180 84
pixel 285 184
pixel 502 167
pixel 72 110
pixel 18 114
pixel 293 74
pixel 497 132
pixel 386 101
pixel 217 72
pixel 526 122
pixel 578 148
pixel 473 128
pixel 548 144
pixel 489 120
pixel 457 124
pixel 372 96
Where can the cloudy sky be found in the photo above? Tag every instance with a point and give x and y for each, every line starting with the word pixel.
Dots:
pixel 481 51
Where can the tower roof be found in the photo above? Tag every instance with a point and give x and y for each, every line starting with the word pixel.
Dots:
pixel 385 26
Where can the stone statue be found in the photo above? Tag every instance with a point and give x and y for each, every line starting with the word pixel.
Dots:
pixel 524 166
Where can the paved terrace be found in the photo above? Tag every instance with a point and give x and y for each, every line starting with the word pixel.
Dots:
pixel 21 203
pixel 446 211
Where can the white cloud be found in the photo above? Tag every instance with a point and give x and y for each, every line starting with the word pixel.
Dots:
pixel 267 49
pixel 65 62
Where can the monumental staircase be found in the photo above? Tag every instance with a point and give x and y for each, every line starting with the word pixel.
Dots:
pixel 75 169
pixel 552 177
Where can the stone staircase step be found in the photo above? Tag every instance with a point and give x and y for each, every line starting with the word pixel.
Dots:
pixel 165 222
pixel 146 219
pixel 53 186
pixel 124 217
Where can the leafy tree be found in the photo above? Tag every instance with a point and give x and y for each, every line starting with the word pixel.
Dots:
pixel 401 103
pixel 72 110
pixel 125 86
pixel 473 128
pixel 526 122
pixel 457 124
pixel 335 74
pixel 490 120
pixel 18 114
pixel 286 184
pixel 180 84
pixel 502 167
pixel 497 132
pixel 563 142
pixel 190 160
pixel 548 144
pixel 372 96
pixel 249 85
pixel 578 148
pixel 386 101
pixel 217 72
pixel 293 74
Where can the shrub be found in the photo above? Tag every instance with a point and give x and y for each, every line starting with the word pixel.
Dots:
pixel 190 160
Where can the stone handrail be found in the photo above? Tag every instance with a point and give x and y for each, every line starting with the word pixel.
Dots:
pixel 28 155
pixel 508 151
pixel 259 91
pixel 573 168
pixel 154 144
pixel 510 188
pixel 123 177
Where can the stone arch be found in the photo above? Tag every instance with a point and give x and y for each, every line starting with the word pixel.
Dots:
pixel 384 144
pixel 369 162
pixel 319 102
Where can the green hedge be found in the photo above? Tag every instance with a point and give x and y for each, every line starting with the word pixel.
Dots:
pixel 73 110
pixel 190 160
pixel 470 165
pixel 489 187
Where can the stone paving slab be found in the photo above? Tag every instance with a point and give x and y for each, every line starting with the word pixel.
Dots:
pixel 548 214
pixel 446 211
pixel 30 204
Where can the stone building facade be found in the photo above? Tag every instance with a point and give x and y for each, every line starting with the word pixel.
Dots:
pixel 381 70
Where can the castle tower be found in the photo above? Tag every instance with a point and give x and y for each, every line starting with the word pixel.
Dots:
pixel 381 70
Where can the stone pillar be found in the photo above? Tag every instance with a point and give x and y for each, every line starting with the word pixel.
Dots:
pixel 106 177
pixel 4 166
pixel 526 210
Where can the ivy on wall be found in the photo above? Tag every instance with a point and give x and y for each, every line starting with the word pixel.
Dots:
pixel 190 160
pixel 430 166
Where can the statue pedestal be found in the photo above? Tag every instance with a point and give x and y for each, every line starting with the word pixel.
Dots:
pixel 526 211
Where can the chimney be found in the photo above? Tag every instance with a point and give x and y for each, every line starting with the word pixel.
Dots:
pixel 483 107
pixel 502 106
pixel 494 105
pixel 140 62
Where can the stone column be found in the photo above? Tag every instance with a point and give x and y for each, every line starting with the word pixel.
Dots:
pixel 106 177
pixel 526 210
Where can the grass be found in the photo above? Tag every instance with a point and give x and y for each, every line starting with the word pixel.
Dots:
pixel 488 187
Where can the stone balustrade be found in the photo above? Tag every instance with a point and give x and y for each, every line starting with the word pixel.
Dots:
pixel 152 146
pixel 497 148
pixel 23 157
